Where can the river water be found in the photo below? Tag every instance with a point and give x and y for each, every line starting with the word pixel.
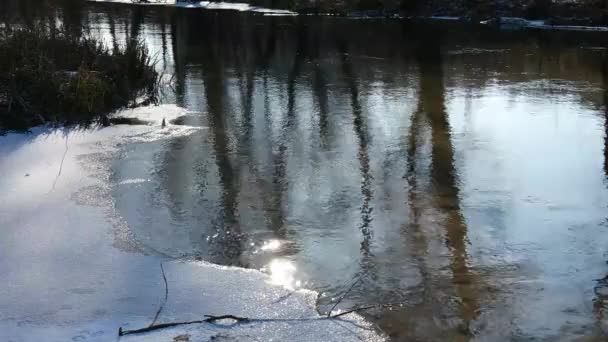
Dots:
pixel 460 172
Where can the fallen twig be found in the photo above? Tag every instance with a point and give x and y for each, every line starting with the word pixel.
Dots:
pixel 209 319
pixel 239 320
pixel 345 294
pixel 65 153
pixel 160 308
pixel 365 308
pixel 282 298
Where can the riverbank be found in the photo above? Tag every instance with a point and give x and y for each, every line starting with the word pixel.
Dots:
pixel 208 5
pixel 50 75
pixel 72 270
pixel 561 15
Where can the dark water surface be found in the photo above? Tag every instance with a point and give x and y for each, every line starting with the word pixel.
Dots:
pixel 459 171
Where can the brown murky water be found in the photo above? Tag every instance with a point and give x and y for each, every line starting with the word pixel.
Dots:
pixel 462 172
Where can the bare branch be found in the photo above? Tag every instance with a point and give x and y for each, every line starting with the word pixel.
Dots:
pixel 160 308
pixel 365 308
pixel 209 319
pixel 345 294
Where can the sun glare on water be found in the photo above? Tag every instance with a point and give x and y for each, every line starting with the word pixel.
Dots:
pixel 271 245
pixel 282 272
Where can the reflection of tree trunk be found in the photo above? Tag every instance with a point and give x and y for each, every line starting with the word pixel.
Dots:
pixel 279 175
pixel 163 37
pixel 229 239
pixel 605 78
pixel 137 20
pixel 600 301
pixel 300 53
pixel 52 20
pixel 72 18
pixel 112 25
pixel 272 194
pixel 259 63
pixel 270 47
pixel 320 91
pixel 606 135
pixel 419 244
pixel 5 7
pixel 178 38
pixel 248 107
pixel 446 192
pixel 214 89
pixel 273 197
pixel 363 154
pixel 412 150
pixel 269 50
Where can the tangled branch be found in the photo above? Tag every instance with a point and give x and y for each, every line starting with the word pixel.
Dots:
pixel 245 320
pixel 209 319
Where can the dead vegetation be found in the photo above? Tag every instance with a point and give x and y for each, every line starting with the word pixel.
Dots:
pixel 50 75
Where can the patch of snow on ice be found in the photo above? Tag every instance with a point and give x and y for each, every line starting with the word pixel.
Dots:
pixel 154 114
pixel 133 181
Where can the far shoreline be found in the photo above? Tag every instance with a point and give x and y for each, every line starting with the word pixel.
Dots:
pixel 503 22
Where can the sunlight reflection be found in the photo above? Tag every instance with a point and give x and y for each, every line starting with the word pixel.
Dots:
pixel 282 272
pixel 271 245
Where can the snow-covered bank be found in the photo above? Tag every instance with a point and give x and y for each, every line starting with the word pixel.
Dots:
pixel 521 23
pixel 71 271
pixel 516 23
pixel 210 5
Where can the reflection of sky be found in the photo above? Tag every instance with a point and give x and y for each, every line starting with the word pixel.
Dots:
pixel 527 160
pixel 535 197
pixel 537 161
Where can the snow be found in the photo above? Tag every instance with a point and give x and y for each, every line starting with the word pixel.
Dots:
pixel 209 5
pixel 445 18
pixel 521 23
pixel 71 271
pixel 570 28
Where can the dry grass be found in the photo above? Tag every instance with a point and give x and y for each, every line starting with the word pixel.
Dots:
pixel 55 77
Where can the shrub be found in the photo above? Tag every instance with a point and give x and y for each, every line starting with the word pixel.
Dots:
pixel 61 78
